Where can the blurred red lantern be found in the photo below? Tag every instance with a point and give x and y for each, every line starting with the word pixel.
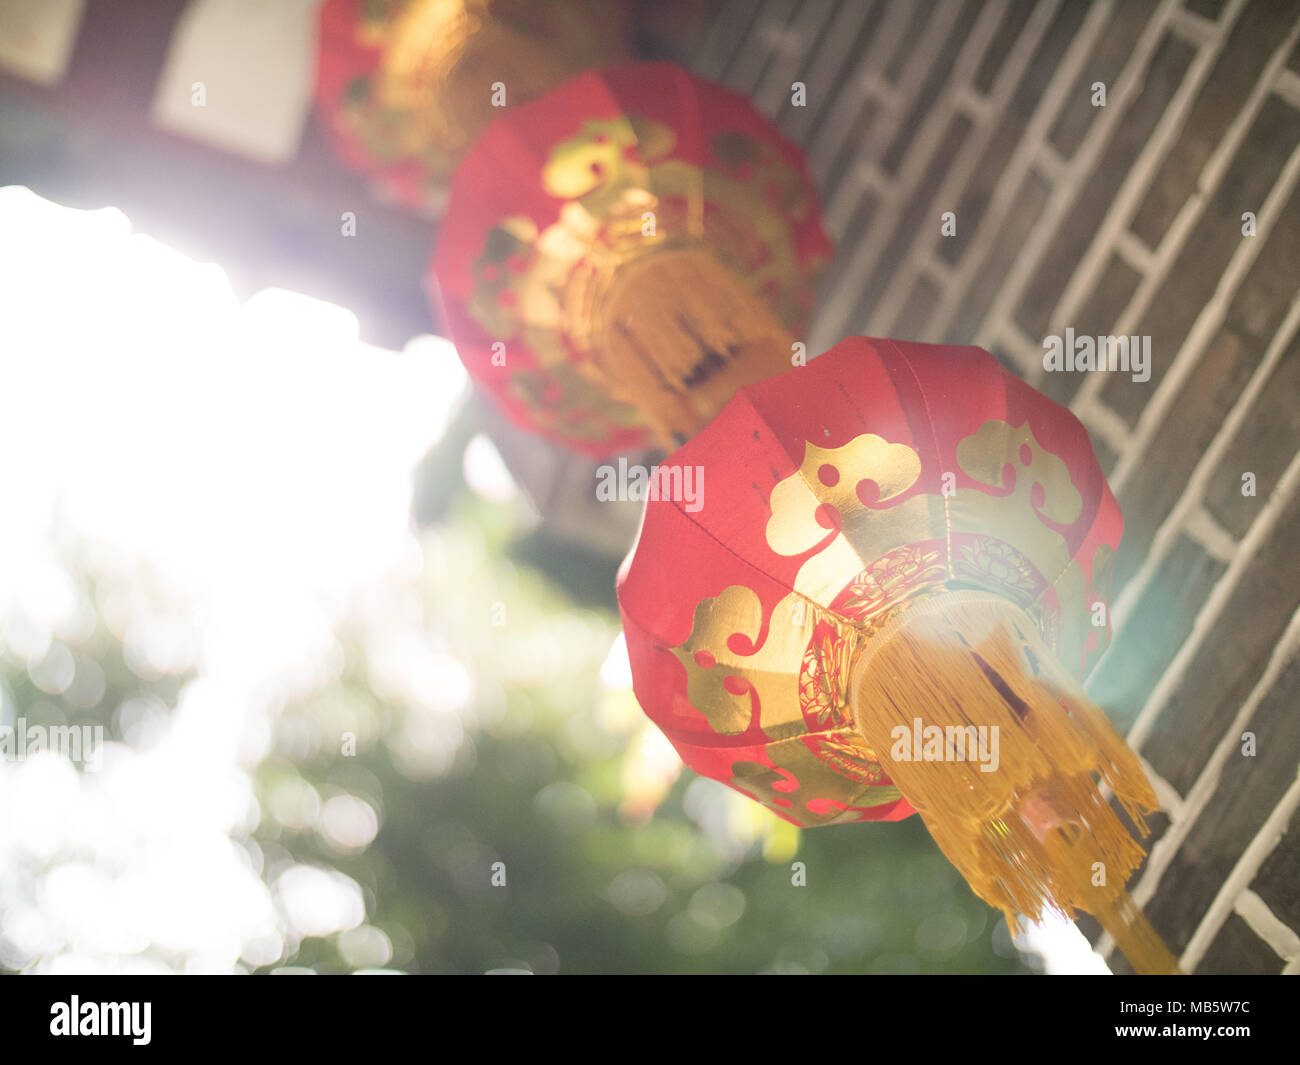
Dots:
pixel 621 254
pixel 406 86
pixel 892 571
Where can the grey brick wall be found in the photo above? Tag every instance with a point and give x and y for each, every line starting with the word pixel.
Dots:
pixel 1115 220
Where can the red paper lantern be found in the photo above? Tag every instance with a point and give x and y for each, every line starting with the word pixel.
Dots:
pixel 894 539
pixel 621 254
pixel 406 86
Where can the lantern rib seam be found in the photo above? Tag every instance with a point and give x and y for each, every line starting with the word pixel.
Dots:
pixel 934 439
pixel 763 573
pixel 743 393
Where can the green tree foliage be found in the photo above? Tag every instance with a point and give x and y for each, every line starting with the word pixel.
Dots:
pixel 465 709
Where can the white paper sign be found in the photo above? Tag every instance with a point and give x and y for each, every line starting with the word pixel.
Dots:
pixel 36 39
pixel 239 75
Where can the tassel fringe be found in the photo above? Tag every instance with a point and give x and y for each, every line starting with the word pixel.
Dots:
pixel 678 334
pixel 1032 832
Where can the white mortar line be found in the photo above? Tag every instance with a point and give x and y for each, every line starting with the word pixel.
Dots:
pixel 894 99
pixel 1207 324
pixel 1204 528
pixel 937 271
pixel 863 85
pixel 1032 150
pixel 1166 794
pixel 1064 194
pixel 1109 426
pixel 1134 188
pixel 1287 86
pixel 889 97
pixel 859 179
pixel 1242 875
pixel 1131 250
pixel 974 105
pixel 1050 164
pixel 1167 535
pixel 1201 792
pixel 947 196
pixel 1195 801
pixel 789 55
pixel 758 48
pixel 1193 28
pixel 1027 354
pixel 870 178
pixel 1220 594
pixel 831 55
pixel 1189 214
pixel 838 307
pixel 1267 925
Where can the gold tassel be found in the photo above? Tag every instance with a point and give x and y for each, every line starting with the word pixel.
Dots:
pixel 678 333
pixel 1031 832
pixel 440 56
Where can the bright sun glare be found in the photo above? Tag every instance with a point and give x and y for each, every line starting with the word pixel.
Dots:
pixel 244 472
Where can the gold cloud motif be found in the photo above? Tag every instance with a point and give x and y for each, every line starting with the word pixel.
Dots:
pixel 768 674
